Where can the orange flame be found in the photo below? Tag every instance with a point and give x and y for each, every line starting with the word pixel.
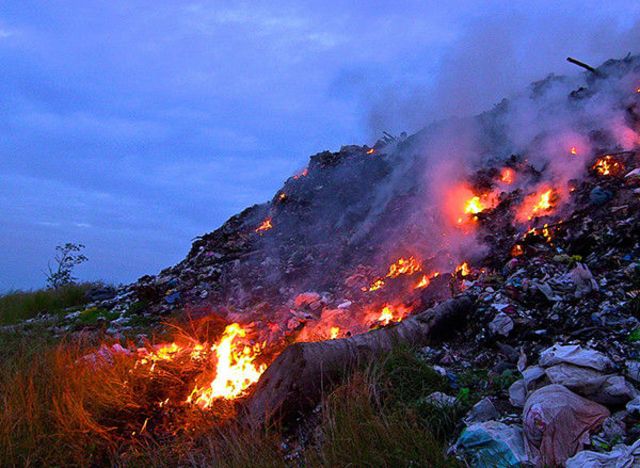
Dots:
pixel 608 166
pixel 463 205
pixel 404 266
pixel 235 369
pixel 265 226
pixel 304 173
pixel 536 204
pixel 425 281
pixel 334 332
pixel 463 269
pixel 573 151
pixel 507 175
pixel 390 314
pixel 282 196
pixel 371 151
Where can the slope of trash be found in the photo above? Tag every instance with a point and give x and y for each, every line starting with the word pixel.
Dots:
pixel 532 209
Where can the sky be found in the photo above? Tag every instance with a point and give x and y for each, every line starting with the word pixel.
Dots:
pixel 134 126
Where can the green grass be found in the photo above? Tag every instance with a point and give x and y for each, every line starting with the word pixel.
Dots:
pixel 21 305
pixel 92 315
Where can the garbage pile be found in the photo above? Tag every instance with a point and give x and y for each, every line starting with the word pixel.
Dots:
pixel 532 208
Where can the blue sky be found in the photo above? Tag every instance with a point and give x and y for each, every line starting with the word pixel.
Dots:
pixel 134 126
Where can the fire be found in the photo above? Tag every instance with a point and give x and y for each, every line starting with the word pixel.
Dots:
pixel 462 204
pixel 371 151
pixel 282 196
pixel 265 226
pixel 304 173
pixel 517 250
pixel 573 151
pixel 404 266
pixel 235 368
pixel 608 166
pixel 473 205
pixel 377 284
pixel 463 269
pixel 507 175
pixel 425 281
pixel 390 314
pixel 536 204
pixel 334 332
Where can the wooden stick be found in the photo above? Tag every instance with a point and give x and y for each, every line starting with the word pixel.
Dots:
pixel 583 65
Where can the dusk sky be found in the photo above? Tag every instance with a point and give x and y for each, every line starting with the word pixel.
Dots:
pixel 133 127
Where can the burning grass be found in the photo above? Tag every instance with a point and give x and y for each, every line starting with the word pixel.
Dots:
pixel 58 408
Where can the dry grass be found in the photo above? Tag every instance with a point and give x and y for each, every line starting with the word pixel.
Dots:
pixel 59 409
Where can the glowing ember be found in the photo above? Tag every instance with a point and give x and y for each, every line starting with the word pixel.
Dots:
pixel 537 204
pixel 265 226
pixel 334 332
pixel 282 196
pixel 371 151
pixel 573 151
pixel 608 166
pixel 507 175
pixel 235 368
pixel 463 269
pixel 517 250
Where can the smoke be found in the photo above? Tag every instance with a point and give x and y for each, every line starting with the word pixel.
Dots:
pixel 495 57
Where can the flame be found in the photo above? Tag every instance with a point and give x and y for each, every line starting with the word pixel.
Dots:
pixel 573 151
pixel 304 173
pixel 390 314
pixel 463 205
pixel 536 204
pixel 265 226
pixel 463 269
pixel 404 266
pixel 235 368
pixel 282 196
pixel 334 332
pixel 507 175
pixel 608 166
pixel 377 284
pixel 371 151
pixel 425 280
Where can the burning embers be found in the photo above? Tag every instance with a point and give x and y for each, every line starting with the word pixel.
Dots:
pixel 265 226
pixel 608 166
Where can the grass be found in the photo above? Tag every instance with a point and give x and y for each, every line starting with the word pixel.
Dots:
pixel 21 305
pixel 58 408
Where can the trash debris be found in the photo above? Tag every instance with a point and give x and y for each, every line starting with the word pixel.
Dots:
pixel 557 424
pixel 482 411
pixel 621 456
pixel 492 444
